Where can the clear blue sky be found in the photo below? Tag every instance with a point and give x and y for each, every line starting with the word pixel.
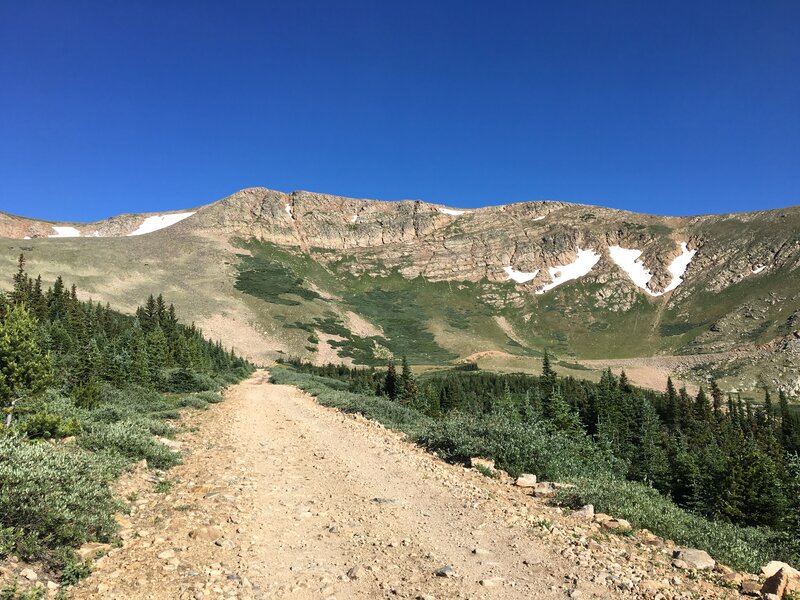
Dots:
pixel 675 107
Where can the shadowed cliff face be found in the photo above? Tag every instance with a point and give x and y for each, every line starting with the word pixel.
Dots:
pixel 585 280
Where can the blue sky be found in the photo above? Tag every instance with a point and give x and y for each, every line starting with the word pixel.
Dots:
pixel 673 107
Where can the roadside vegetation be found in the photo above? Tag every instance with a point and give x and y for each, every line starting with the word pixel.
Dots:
pixel 711 472
pixel 85 393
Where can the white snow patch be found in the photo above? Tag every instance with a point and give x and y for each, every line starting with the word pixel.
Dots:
pixel 154 223
pixel 289 211
pixel 27 237
pixel 628 260
pixel 678 267
pixel 451 212
pixel 62 232
pixel 584 262
pixel 354 219
pixel 537 218
pixel 758 269
pixel 96 234
pixel 520 276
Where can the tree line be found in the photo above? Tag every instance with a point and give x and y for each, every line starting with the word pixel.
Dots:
pixel 48 337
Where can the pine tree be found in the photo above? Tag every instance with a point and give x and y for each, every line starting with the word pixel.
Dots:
pixel 409 391
pixel 390 382
pixel 25 368
pixel 561 415
pixel 549 377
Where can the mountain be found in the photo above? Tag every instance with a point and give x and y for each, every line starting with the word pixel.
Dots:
pixel 332 278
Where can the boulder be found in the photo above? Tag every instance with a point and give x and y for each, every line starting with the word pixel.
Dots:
pixel 774 566
pixel 545 489
pixel 784 582
pixel 696 559
pixel 526 480
pixel 584 512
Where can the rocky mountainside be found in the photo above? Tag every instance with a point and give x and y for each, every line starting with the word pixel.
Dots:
pixel 337 278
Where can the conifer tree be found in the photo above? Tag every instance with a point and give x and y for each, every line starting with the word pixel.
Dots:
pixel 390 382
pixel 25 368
pixel 409 387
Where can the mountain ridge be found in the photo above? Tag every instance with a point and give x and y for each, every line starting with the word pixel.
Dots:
pixel 511 278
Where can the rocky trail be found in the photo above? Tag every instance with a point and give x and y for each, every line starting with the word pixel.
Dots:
pixel 279 497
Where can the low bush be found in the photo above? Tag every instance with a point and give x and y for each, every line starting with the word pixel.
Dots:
pixel 130 440
pixel 52 496
pixel 745 548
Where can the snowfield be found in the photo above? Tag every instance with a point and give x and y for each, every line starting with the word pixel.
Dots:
pixel 63 232
pixel 154 223
pixel 584 262
pixel 628 260
pixel 519 276
pixel 758 269
pixel 451 212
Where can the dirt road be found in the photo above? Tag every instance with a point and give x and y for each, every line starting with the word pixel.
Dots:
pixel 280 497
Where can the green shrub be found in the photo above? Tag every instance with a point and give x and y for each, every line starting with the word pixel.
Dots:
pixel 43 425
pixel 52 496
pixel 209 396
pixel 193 402
pixel 130 440
pixel 746 548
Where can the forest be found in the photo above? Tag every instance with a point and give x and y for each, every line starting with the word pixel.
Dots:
pixel 715 455
pixel 86 392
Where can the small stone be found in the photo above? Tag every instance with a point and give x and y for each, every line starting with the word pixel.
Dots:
pixel 445 571
pixel 208 534
pixel 526 480
pixel 29 574
pixel 166 554
pixel 491 582
pixel 355 572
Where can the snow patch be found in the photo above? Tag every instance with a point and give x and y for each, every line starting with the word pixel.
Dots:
pixel 451 212
pixel 354 219
pixel 289 211
pixel 154 223
pixel 628 260
pixel 520 276
pixel 758 269
pixel 537 218
pixel 584 262
pixel 27 237
pixel 678 267
pixel 62 232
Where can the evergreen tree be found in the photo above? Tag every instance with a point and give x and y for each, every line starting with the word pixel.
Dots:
pixel 25 368
pixel 390 384
pixel 549 377
pixel 409 393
